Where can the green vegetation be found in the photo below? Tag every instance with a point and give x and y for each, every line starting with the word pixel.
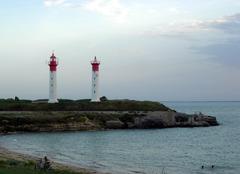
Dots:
pixel 80 105
pixel 70 115
pixel 26 167
pixel 36 121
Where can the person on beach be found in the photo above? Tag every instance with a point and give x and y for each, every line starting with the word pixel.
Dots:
pixel 43 164
pixel 47 163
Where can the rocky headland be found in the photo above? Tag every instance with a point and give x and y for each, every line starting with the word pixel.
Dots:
pixel 26 121
pixel 22 116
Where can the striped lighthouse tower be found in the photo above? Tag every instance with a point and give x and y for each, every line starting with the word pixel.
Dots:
pixel 53 79
pixel 95 80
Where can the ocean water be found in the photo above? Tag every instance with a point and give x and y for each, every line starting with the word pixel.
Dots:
pixel 169 151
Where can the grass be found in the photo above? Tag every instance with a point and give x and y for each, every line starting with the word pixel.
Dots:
pixel 27 167
pixel 27 170
pixel 12 122
pixel 45 115
pixel 81 105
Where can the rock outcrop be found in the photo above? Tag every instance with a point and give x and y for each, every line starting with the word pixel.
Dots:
pixel 167 119
pixel 79 121
pixel 114 124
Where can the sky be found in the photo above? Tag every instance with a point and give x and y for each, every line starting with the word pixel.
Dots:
pixel 168 50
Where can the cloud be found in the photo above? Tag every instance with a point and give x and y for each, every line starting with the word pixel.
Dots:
pixel 221 37
pixel 228 24
pixel 111 8
pixel 176 29
pixel 50 3
pixel 222 51
pixel 226 53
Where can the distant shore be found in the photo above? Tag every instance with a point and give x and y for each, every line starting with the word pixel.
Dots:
pixel 10 159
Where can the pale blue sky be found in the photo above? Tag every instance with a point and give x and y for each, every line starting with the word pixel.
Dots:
pixel 149 49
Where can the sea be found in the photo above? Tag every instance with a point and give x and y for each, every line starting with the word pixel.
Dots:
pixel 154 151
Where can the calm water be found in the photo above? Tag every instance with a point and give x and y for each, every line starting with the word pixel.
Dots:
pixel 177 150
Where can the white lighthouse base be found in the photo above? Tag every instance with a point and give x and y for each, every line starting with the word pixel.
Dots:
pixel 96 100
pixel 52 101
pixel 95 87
pixel 53 87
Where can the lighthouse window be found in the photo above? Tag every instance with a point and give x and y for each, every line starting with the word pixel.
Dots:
pixel 94 85
pixel 94 92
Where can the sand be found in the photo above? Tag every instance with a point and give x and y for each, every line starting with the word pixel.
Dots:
pixel 6 154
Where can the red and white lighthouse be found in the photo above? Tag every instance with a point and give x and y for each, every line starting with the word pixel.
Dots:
pixel 53 79
pixel 95 80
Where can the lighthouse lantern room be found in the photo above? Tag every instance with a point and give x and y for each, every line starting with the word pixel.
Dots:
pixel 95 80
pixel 53 79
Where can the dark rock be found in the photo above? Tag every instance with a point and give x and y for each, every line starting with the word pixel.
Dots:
pixel 149 122
pixel 181 117
pixel 173 119
pixel 114 124
pixel 130 125
pixel 78 121
pixel 210 120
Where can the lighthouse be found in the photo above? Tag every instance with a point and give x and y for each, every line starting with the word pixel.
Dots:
pixel 95 80
pixel 53 79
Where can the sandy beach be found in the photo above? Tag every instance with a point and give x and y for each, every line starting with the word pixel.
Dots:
pixel 6 154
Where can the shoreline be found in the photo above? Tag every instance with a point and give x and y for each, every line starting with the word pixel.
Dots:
pixel 6 155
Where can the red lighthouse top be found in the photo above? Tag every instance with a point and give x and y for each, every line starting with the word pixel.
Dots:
pixel 95 64
pixel 53 63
